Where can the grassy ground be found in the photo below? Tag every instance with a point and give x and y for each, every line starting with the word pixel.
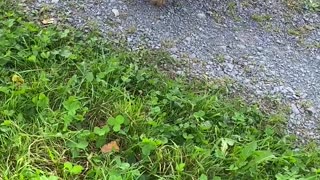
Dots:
pixel 309 5
pixel 75 107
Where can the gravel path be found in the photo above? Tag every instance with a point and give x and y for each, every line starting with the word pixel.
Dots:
pixel 265 46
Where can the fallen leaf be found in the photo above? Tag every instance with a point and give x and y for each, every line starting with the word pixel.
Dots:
pixel 111 146
pixel 17 79
pixel 48 21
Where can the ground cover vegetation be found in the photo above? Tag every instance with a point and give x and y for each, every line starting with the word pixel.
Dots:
pixel 73 106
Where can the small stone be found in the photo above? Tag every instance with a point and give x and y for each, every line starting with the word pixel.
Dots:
pixel 296 97
pixel 246 81
pixel 311 110
pixel 318 58
pixel 227 57
pixel 174 49
pixel 174 56
pixel 54 1
pixel 295 109
pixel 115 12
pixel 303 95
pixel 232 74
pixel 289 89
pixel 259 93
pixel 223 48
pixel 201 15
pixel 230 66
pixel 260 49
pixel 192 56
pixel 180 73
pixel 241 46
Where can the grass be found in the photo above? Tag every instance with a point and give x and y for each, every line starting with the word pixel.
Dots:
pixel 261 18
pixel 301 31
pixel 301 5
pixel 65 95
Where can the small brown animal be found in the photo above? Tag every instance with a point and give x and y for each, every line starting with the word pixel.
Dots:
pixel 158 2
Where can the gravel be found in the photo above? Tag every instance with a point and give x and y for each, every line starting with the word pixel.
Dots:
pixel 264 46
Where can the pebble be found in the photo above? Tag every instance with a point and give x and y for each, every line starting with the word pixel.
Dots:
pixel 311 110
pixel 260 48
pixel 201 15
pixel 115 12
pixel 241 46
pixel 295 109
pixel 230 66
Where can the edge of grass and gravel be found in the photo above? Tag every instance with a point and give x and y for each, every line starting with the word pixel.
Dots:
pixel 65 96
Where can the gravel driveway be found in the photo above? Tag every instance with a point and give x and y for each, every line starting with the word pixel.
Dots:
pixel 265 46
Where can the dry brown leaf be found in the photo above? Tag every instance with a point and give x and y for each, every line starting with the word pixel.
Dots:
pixel 17 79
pixel 111 146
pixel 48 21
